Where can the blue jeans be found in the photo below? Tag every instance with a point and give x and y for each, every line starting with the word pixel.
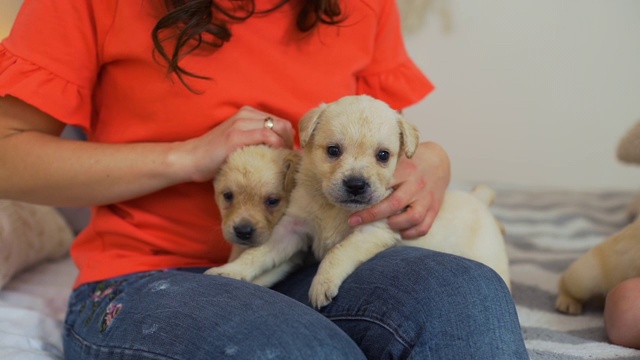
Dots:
pixel 405 303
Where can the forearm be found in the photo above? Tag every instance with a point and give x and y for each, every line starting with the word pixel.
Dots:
pixel 38 166
pixel 45 169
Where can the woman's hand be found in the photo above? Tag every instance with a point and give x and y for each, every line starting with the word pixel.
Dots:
pixel 208 152
pixel 420 184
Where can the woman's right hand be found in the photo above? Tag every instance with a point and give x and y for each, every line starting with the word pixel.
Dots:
pixel 208 152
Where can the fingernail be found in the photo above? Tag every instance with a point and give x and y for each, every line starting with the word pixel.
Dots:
pixel 355 221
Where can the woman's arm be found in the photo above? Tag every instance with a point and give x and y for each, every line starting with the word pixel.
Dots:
pixel 38 166
pixel 420 184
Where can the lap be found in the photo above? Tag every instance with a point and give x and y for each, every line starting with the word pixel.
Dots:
pixel 403 303
pixel 183 315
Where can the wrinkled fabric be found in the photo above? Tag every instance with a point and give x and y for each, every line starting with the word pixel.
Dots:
pixel 405 303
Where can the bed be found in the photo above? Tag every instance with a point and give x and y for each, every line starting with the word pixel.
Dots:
pixel 546 230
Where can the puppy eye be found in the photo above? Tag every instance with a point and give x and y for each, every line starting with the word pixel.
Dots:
pixel 228 196
pixel 272 202
pixel 334 151
pixel 383 156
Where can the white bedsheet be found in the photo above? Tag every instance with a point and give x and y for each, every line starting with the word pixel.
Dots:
pixel 32 310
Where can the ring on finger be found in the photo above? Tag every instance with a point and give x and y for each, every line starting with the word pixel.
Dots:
pixel 268 123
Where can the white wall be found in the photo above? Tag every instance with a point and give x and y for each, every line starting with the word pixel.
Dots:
pixel 532 92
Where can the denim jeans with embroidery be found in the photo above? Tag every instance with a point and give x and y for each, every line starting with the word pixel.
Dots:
pixel 405 303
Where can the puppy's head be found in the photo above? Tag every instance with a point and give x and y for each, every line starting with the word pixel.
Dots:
pixel 352 147
pixel 252 191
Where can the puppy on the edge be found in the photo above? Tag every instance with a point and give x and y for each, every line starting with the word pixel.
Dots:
pixel 350 151
pixel 600 269
pixel 252 191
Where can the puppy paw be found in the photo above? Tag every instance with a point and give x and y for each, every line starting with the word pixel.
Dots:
pixel 567 305
pixel 322 291
pixel 229 272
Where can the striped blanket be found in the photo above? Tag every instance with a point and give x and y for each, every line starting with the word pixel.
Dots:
pixel 546 231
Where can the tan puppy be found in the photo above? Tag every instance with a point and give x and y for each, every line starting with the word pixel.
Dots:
pixel 599 270
pixel 252 191
pixel 30 234
pixel 351 148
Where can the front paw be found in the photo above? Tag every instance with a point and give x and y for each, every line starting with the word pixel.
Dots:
pixel 568 305
pixel 323 290
pixel 229 272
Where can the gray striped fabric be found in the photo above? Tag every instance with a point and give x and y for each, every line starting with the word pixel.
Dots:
pixel 546 231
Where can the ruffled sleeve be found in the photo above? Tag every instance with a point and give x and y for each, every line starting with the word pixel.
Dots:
pixel 60 98
pixel 391 75
pixel 399 87
pixel 52 57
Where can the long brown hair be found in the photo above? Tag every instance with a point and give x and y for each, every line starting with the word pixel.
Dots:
pixel 191 24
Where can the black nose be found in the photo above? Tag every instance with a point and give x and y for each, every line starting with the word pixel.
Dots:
pixel 355 185
pixel 244 231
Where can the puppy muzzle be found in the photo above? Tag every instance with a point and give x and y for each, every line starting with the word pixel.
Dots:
pixel 245 234
pixel 355 193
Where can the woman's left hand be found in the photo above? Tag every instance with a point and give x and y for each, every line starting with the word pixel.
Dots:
pixel 420 184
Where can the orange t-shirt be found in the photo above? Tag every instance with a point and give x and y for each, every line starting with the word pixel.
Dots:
pixel 90 63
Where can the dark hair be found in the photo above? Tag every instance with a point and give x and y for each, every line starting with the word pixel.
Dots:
pixel 191 24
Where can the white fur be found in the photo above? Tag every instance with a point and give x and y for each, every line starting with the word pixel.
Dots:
pixel 320 206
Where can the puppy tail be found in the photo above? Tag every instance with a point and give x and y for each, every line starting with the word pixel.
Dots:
pixel 487 195
pixel 484 193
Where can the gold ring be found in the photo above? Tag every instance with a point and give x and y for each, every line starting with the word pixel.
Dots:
pixel 268 123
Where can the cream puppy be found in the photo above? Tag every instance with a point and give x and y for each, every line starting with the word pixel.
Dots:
pixel 252 191
pixel 350 151
pixel 30 234
pixel 600 269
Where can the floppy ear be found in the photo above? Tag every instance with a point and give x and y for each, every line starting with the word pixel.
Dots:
pixel 291 162
pixel 629 146
pixel 308 123
pixel 409 136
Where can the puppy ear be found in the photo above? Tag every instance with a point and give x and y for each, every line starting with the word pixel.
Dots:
pixel 291 162
pixel 308 123
pixel 409 136
pixel 629 147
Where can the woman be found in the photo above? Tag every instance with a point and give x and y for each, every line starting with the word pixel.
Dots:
pixel 165 91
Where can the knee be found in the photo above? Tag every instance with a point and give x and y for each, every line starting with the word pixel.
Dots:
pixel 411 273
pixel 622 314
pixel 448 271
pixel 438 298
